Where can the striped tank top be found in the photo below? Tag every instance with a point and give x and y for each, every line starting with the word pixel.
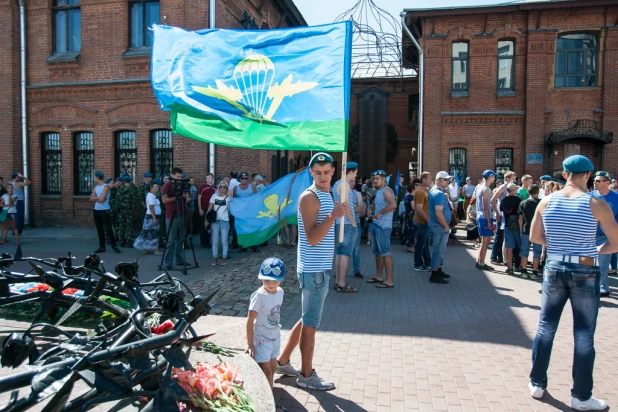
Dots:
pixel 570 227
pixel 318 258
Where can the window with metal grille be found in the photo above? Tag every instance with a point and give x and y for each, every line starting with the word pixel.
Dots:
pixel 162 152
pixel 459 65
pixel 67 26
pixel 506 65
pixel 126 153
pixel 413 105
pixel 51 164
pixel 576 60
pixel 83 163
pixel 504 162
pixel 143 14
pixel 456 160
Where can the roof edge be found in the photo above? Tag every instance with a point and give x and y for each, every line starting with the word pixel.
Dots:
pixel 290 6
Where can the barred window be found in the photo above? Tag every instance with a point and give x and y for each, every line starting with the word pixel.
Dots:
pixel 83 160
pixel 162 152
pixel 67 26
pixel 144 13
pixel 51 163
pixel 126 153
pixel 456 160
pixel 504 162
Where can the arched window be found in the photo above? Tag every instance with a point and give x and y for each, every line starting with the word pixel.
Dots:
pixel 83 163
pixel 126 153
pixel 51 163
pixel 576 60
pixel 161 152
pixel 506 65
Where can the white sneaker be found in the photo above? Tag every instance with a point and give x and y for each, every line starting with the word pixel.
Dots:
pixel 536 391
pixel 287 369
pixel 592 404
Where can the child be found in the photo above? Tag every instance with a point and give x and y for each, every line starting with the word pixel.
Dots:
pixel 263 328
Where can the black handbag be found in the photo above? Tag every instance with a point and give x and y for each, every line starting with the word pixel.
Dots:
pixel 211 216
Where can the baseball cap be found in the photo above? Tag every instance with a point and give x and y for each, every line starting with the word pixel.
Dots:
pixel 321 158
pixel 378 173
pixel 468 178
pixel 577 164
pixel 272 269
pixel 511 186
pixel 243 174
pixel 443 175
pixel 488 173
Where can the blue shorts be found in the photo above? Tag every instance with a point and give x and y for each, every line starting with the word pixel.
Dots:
pixel 381 240
pixel 349 237
pixel 314 288
pixel 512 238
pixel 524 251
pixel 265 349
pixel 482 224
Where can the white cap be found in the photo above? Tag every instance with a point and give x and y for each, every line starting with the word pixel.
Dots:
pixel 443 175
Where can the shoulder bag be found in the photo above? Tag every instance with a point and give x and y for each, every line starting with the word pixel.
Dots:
pixel 211 216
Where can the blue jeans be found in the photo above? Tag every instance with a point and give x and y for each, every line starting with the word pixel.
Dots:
pixel 604 261
pixel 314 288
pixel 496 249
pixel 537 249
pixel 345 248
pixel 579 284
pixel 440 238
pixel 356 253
pixel 220 231
pixel 421 249
pixel 614 261
pixel 381 240
pixel 175 241
pixel 512 238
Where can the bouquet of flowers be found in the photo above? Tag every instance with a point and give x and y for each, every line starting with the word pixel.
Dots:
pixel 214 388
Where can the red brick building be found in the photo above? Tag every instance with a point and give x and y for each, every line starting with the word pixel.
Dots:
pixel 90 102
pixel 518 86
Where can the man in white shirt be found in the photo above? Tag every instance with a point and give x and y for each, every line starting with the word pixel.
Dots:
pixel 453 194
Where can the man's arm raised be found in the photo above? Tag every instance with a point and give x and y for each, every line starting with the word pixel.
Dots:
pixel 309 207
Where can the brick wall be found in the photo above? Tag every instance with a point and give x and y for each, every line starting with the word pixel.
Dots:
pixel 484 120
pixel 104 109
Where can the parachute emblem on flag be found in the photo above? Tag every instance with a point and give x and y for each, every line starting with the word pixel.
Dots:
pixel 274 208
pixel 254 76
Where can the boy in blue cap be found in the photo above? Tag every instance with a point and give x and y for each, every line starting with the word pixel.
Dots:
pixel 263 327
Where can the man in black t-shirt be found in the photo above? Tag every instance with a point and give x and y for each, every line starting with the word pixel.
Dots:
pixel 526 214
pixel 512 235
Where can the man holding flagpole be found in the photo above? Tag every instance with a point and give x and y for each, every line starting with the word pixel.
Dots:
pixel 316 243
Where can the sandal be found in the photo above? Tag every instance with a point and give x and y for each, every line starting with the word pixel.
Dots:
pixel 375 280
pixel 345 289
pixel 384 286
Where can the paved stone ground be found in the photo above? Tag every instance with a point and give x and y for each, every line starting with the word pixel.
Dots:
pixel 465 346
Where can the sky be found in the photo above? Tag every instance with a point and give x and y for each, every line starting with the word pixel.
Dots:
pixel 326 11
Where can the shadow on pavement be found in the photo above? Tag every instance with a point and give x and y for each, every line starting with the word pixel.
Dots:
pixel 327 400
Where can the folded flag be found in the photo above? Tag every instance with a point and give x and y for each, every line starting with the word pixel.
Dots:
pixel 263 89
pixel 260 216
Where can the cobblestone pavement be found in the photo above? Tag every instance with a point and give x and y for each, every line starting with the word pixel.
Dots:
pixel 465 346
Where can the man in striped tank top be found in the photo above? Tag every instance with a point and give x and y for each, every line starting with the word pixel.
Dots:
pixel 566 223
pixel 316 245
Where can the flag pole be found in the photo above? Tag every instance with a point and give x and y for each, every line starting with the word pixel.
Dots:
pixel 344 190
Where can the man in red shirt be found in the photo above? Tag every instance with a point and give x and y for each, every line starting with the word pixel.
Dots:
pixel 176 208
pixel 204 193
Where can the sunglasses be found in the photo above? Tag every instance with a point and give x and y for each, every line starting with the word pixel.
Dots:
pixel 276 270
pixel 244 178
pixel 222 187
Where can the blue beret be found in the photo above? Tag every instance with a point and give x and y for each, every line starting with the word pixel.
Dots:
pixel 124 174
pixel 351 165
pixel 577 164
pixel 14 175
pixel 119 179
pixel 321 158
pixel 488 173
pixel 157 182
pixel 128 178
pixel 547 177
pixel 99 174
pixel 147 174
pixel 109 179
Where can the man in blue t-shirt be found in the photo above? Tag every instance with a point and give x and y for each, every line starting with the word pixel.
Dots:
pixel 440 214
pixel 602 180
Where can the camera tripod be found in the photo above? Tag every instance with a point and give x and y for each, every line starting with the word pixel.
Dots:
pixel 178 213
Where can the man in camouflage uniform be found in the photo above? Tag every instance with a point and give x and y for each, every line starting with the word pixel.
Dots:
pixel 127 199
pixel 144 189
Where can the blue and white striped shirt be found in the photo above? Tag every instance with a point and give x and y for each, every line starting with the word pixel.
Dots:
pixel 318 258
pixel 570 227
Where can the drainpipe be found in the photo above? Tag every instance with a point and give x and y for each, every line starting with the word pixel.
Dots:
pixel 420 92
pixel 211 146
pixel 24 106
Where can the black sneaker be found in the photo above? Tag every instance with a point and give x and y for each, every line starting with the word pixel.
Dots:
pixel 117 250
pixel 100 250
pixel 442 274
pixel 435 278
pixel 358 275
pixel 242 250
